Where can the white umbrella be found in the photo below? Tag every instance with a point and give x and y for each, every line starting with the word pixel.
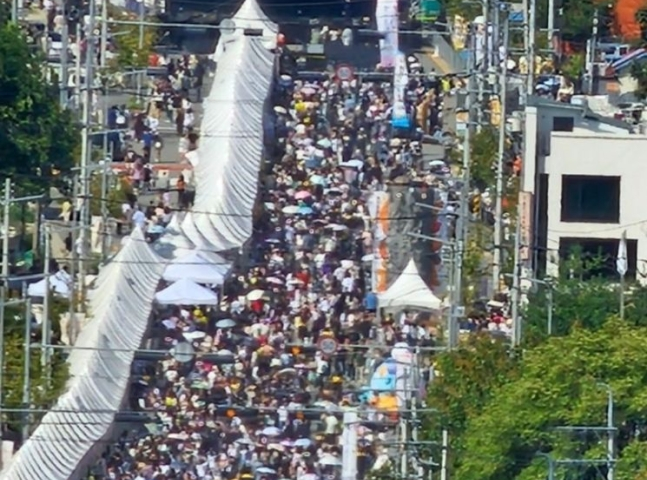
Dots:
pixel 329 461
pixel 255 295
pixel 266 471
pixel 290 209
pixel 271 432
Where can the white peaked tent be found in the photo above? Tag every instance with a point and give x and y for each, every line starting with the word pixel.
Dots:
pixel 74 432
pixel 231 144
pixel 198 268
pixel 186 292
pixel 174 243
pixel 409 290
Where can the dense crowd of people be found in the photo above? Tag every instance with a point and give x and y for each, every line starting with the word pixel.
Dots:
pixel 248 390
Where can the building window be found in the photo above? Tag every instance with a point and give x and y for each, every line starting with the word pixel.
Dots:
pixel 563 124
pixel 588 198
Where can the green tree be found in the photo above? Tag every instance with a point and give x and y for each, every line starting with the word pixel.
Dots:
pixel 464 381
pixel 127 40
pixel 558 385
pixel 44 391
pixel 580 303
pixel 37 137
pixel 117 195
pixel 639 73
pixel 485 147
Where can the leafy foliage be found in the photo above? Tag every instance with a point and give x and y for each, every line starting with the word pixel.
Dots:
pixel 484 155
pixel 117 195
pixel 558 385
pixel 127 41
pixel 576 303
pixel 36 136
pixel 43 392
pixel 465 379
pixel 639 73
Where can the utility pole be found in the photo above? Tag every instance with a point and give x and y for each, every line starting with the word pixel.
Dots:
pixel 47 325
pixel 498 210
pixel 443 457
pixel 608 429
pixel 73 254
pixel 5 276
pixel 551 20
pixel 104 33
pixel 26 385
pixel 105 170
pixel 530 27
pixel 462 223
pixel 142 18
pixel 77 67
pixel 591 55
pixel 86 148
pixel 611 437
pixel 516 286
pixel 64 77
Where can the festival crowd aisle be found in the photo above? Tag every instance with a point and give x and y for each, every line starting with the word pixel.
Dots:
pixel 155 147
pixel 248 392
pixel 169 112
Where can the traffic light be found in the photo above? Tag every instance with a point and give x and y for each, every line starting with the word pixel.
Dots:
pixel 475 206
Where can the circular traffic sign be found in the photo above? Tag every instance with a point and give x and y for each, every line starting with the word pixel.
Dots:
pixel 344 73
pixel 327 345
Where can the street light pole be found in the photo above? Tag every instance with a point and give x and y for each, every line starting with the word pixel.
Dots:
pixel 498 211
pixel 611 438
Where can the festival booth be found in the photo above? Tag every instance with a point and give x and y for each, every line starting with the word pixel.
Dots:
pixel 186 292
pixel 231 145
pixel 409 291
pixel 73 433
pixel 198 268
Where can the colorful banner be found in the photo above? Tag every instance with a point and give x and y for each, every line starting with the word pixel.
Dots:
pixel 387 19
pixel 380 216
pixel 399 118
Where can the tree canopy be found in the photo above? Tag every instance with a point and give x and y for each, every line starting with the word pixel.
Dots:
pixel 44 391
pixel 559 384
pixel 37 137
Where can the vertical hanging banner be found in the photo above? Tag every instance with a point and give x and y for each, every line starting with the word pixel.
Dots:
pixel 399 116
pixel 387 19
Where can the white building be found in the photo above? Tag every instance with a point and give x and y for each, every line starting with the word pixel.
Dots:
pixel 584 188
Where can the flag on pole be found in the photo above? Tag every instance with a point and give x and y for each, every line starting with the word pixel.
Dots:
pixel 621 259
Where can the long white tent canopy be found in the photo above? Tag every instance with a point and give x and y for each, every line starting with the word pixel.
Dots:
pixel 73 432
pixel 231 141
pixel 409 290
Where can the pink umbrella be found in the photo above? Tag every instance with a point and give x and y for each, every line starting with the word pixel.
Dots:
pixel 302 195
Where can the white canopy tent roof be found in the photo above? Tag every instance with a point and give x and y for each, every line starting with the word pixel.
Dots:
pixel 197 268
pixel 186 292
pixel 231 142
pixel 409 290
pixel 76 428
pixel 59 283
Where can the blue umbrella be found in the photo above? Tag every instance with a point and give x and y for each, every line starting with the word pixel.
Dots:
pixel 317 180
pixel 154 229
pixel 305 210
pixel 324 143
pixel 225 323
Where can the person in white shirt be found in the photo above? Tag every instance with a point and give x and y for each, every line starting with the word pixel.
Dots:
pixel 139 218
